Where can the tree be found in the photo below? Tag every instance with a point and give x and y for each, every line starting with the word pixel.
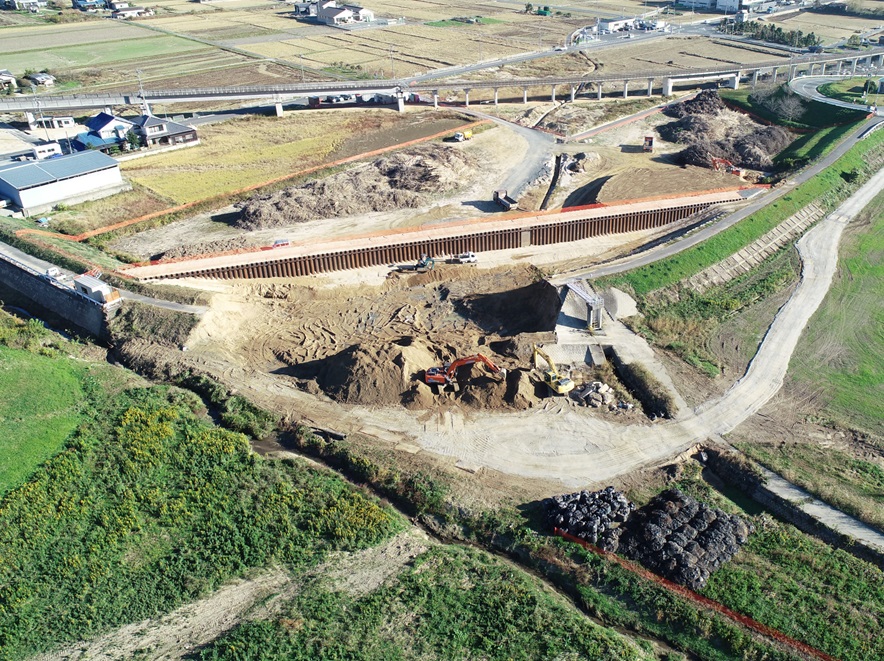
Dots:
pixel 790 107
pixel 854 41
pixel 529 8
pixel 133 140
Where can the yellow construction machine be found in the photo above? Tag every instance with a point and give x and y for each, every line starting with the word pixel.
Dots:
pixel 559 384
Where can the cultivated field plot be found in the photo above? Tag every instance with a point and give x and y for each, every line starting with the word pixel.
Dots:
pixel 43 37
pixel 828 26
pixel 101 54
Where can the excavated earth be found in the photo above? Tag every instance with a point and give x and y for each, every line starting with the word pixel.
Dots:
pixel 371 346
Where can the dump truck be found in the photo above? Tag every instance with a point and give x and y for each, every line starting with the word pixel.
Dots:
pixel 503 199
pixel 648 145
pixel 462 136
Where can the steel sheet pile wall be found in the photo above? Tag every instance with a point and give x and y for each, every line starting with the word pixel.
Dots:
pixel 410 251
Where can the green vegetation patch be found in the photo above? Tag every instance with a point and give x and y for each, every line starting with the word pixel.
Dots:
pixel 149 322
pixel 829 186
pixel 838 477
pixel 815 113
pixel 841 354
pixel 453 603
pixel 851 89
pixel 148 508
pixel 812 146
pixel 39 408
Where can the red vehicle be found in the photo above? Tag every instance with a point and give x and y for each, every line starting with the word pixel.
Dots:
pixel 445 375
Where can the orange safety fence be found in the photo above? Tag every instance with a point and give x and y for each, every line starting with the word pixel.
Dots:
pixel 294 175
pixel 687 593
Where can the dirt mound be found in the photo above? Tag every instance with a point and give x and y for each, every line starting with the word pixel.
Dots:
pixel 712 131
pixel 706 102
pixel 404 179
pixel 689 179
pixel 206 248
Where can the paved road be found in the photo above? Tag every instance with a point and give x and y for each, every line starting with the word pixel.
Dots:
pixel 807 87
pixel 667 250
pixel 41 265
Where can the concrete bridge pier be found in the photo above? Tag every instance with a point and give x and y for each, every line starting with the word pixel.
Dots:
pixel 667 87
pixel 775 72
pixel 881 60
pixel 598 90
pixel 839 66
pixel 525 95
pixel 278 107
pixel 573 93
pixel 650 86
pixel 735 82
pixel 853 67
pixel 793 70
pixel 400 102
pixel 625 88
pixel 435 99
pixel 755 78
pixel 467 95
pixel 495 96
pixel 553 94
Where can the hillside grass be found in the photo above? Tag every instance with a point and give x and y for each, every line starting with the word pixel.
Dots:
pixel 452 603
pixel 40 407
pixel 849 89
pixel 829 186
pixel 816 144
pixel 816 114
pixel 841 353
pixel 150 506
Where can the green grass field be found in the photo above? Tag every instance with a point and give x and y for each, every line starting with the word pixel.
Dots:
pixel 40 407
pixel 850 90
pixel 842 350
pixel 99 54
pixel 453 603
pixel 813 145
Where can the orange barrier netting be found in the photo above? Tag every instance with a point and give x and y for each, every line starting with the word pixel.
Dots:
pixel 693 596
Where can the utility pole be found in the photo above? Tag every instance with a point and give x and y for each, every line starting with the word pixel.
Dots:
pixel 39 108
pixel 392 70
pixel 301 60
pixel 144 106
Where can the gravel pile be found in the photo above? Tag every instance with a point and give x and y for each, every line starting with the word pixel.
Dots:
pixel 594 516
pixel 682 539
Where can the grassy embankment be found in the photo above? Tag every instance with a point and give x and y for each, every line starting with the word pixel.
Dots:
pixel 840 360
pixel 851 90
pixel 797 575
pixel 148 506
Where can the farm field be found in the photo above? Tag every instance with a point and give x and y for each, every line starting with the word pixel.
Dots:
pixel 830 27
pixel 39 37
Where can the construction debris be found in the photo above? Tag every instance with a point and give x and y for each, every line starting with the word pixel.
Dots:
pixel 592 516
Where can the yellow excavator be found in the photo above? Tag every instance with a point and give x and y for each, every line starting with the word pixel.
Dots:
pixel 559 384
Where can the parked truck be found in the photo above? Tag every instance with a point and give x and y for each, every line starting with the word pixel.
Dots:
pixel 503 198
pixel 648 145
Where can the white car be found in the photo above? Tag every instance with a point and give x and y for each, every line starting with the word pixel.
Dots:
pixel 466 258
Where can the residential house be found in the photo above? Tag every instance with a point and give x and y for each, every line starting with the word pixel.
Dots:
pixel 131 12
pixel 7 79
pixel 328 12
pixel 44 79
pixel 87 5
pixel 26 5
pixel 158 131
pixel 106 133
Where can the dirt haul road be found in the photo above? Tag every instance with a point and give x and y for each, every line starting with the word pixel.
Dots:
pixel 557 442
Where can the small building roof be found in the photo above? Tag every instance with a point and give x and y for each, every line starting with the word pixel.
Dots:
pixel 37 173
pixel 6 73
pixel 172 128
pixel 93 140
pixel 92 283
pixel 102 119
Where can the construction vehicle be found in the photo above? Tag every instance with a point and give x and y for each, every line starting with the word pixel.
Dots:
pixel 724 165
pixel 503 199
pixel 446 375
pixel 462 136
pixel 560 385
pixel 424 264
pixel 648 145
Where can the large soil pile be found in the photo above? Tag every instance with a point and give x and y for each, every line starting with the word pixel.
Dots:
pixel 640 181
pixel 710 131
pixel 674 535
pixel 405 179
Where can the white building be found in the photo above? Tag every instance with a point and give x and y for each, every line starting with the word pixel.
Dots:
pixel 45 150
pixel 328 12
pixel 615 24
pixel 37 186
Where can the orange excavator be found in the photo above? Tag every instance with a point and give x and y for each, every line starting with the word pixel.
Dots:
pixel 724 165
pixel 445 375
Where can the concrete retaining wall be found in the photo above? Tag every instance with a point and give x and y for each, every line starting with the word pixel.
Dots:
pixel 81 312
pixel 731 471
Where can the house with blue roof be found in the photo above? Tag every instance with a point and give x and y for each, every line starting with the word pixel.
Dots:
pixel 106 133
pixel 36 187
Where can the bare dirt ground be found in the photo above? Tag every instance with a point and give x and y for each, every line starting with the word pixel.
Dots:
pixel 497 150
pixel 176 635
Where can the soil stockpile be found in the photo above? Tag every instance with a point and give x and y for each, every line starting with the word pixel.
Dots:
pixel 592 516
pixel 711 131
pixel 405 179
pixel 690 179
pixel 682 539
pixel 674 535
pixel 206 248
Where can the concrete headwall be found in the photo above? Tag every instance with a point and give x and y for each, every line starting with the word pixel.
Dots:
pixel 82 313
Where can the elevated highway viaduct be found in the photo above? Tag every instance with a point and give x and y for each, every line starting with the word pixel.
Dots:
pixel 647 81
